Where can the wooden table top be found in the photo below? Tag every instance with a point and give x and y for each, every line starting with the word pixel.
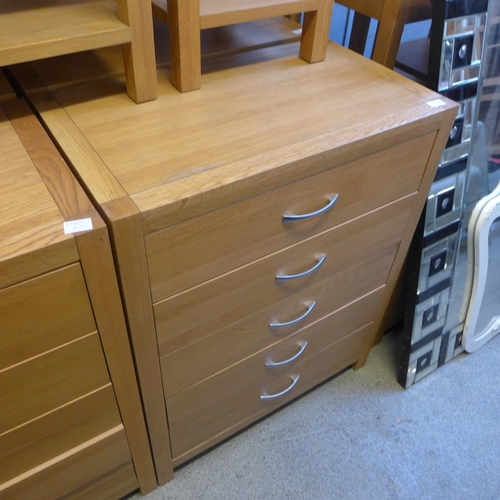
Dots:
pixel 256 113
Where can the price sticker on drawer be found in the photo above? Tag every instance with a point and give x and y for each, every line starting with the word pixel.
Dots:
pixel 76 226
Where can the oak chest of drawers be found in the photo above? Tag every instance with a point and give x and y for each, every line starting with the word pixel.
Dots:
pixel 258 225
pixel 71 422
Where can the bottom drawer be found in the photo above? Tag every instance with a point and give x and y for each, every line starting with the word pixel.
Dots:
pixel 100 469
pixel 41 440
pixel 201 416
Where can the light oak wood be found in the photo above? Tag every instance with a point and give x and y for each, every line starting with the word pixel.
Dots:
pixel 195 362
pixel 46 382
pixel 97 263
pixel 226 166
pixel 392 15
pixel 114 485
pixel 185 20
pixel 51 354
pixel 216 304
pixel 241 138
pixel 29 223
pixel 185 49
pixel 82 67
pixel 319 368
pixel 214 391
pixel 247 402
pixel 126 230
pixel 200 254
pixel 46 28
pixel 42 439
pixel 59 312
pixel 97 458
pixel 98 266
pixel 66 26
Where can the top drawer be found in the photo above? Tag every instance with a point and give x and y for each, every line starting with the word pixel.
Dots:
pixel 214 243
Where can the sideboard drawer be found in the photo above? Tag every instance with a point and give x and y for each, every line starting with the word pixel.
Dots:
pixel 37 386
pixel 248 406
pixel 59 312
pixel 212 306
pixel 217 242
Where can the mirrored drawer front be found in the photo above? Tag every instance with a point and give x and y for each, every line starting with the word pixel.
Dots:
pixel 42 384
pixel 219 303
pixel 42 314
pixel 250 403
pixel 267 371
pixel 189 253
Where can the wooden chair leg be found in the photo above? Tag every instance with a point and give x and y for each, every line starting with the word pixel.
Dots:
pixel 390 31
pixel 184 31
pixel 139 54
pixel 359 32
pixel 315 28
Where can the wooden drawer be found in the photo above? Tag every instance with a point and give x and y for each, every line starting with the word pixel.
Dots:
pixel 43 313
pixel 217 242
pixel 99 469
pixel 212 306
pixel 247 405
pixel 67 377
pixel 199 360
pixel 57 432
pixel 37 386
pixel 218 390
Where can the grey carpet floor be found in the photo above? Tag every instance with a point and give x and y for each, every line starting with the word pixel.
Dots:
pixel 361 436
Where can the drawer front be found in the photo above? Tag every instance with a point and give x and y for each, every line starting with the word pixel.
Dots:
pixel 213 306
pixel 219 389
pixel 57 432
pixel 215 243
pixel 42 384
pixel 199 360
pixel 247 406
pixel 99 469
pixel 43 313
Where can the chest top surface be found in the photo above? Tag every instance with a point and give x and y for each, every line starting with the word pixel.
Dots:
pixel 256 112
pixel 26 207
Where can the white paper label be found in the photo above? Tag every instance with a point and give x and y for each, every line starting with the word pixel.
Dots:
pixel 436 103
pixel 75 226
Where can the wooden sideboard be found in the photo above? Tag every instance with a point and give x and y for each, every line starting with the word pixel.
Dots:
pixel 71 420
pixel 234 306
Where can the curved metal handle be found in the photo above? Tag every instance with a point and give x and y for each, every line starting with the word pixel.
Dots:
pixel 264 396
pixel 320 261
pixel 294 217
pixel 310 307
pixel 270 363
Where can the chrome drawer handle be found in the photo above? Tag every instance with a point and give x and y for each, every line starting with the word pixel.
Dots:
pixel 270 363
pixel 288 323
pixel 265 396
pixel 294 217
pixel 320 261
